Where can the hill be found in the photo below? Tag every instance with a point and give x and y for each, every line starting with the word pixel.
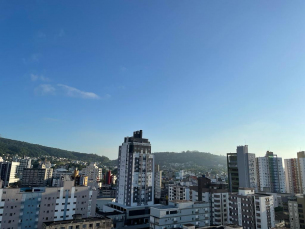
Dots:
pixel 190 160
pixel 13 147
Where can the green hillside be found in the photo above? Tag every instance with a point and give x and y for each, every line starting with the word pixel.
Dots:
pixel 13 147
pixel 190 159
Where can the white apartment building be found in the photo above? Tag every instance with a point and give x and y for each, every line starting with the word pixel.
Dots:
pixel 296 209
pixel 270 173
pixel 135 172
pixel 178 192
pixel 8 172
pixel 94 174
pixel 179 213
pixel 252 210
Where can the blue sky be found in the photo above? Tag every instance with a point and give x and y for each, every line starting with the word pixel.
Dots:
pixel 193 75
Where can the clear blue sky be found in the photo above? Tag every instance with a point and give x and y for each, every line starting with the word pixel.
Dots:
pixel 193 75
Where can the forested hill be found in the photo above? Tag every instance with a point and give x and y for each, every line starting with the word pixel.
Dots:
pixel 190 158
pixel 13 147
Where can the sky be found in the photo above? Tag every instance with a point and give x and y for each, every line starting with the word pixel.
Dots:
pixel 193 75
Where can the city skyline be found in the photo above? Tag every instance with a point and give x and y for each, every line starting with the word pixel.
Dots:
pixel 204 76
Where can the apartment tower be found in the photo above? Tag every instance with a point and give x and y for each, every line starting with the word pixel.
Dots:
pixel 135 172
pixel 241 169
pixel 270 173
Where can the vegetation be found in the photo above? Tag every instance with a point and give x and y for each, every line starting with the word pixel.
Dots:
pixel 13 147
pixel 192 160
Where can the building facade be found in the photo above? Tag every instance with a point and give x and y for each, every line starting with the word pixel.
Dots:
pixel 179 213
pixel 94 174
pixel 178 192
pixel 8 172
pixel 36 177
pixel 30 207
pixel 24 163
pixel 292 179
pixel 270 173
pixel 241 169
pixel 252 210
pixel 296 209
pixel 135 172
pixel 158 182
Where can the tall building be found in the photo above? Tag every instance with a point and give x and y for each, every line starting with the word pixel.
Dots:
pixel 270 173
pixel 301 165
pixel 24 163
pixel 8 172
pixel 108 177
pixel 94 174
pixel 37 177
pixel 252 210
pixel 292 179
pixel 217 195
pixel 158 182
pixel 296 208
pixel 241 169
pixel 135 172
pixel 30 207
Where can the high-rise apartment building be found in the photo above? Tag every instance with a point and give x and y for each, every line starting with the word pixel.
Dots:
pixel 30 207
pixel 135 172
pixel 37 177
pixel 252 210
pixel 158 182
pixel 108 177
pixel 24 163
pixel 301 165
pixel 94 174
pixel 8 173
pixel 292 179
pixel 296 209
pixel 241 169
pixel 270 173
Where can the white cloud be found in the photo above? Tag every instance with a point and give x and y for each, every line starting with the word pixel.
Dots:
pixel 45 89
pixel 74 92
pixel 40 78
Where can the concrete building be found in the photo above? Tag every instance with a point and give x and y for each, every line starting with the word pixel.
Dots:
pixel 108 177
pixel 8 172
pixel 94 174
pixel 296 209
pixel 292 180
pixel 270 173
pixel 134 216
pixel 135 172
pixel 216 194
pixel 251 210
pixel 178 192
pixel 79 222
pixel 158 182
pixel 36 177
pixel 30 207
pixel 24 163
pixel 179 213
pixel 108 192
pixel 241 169
pixel 301 165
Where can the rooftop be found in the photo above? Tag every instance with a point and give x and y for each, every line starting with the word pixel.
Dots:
pixel 91 219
